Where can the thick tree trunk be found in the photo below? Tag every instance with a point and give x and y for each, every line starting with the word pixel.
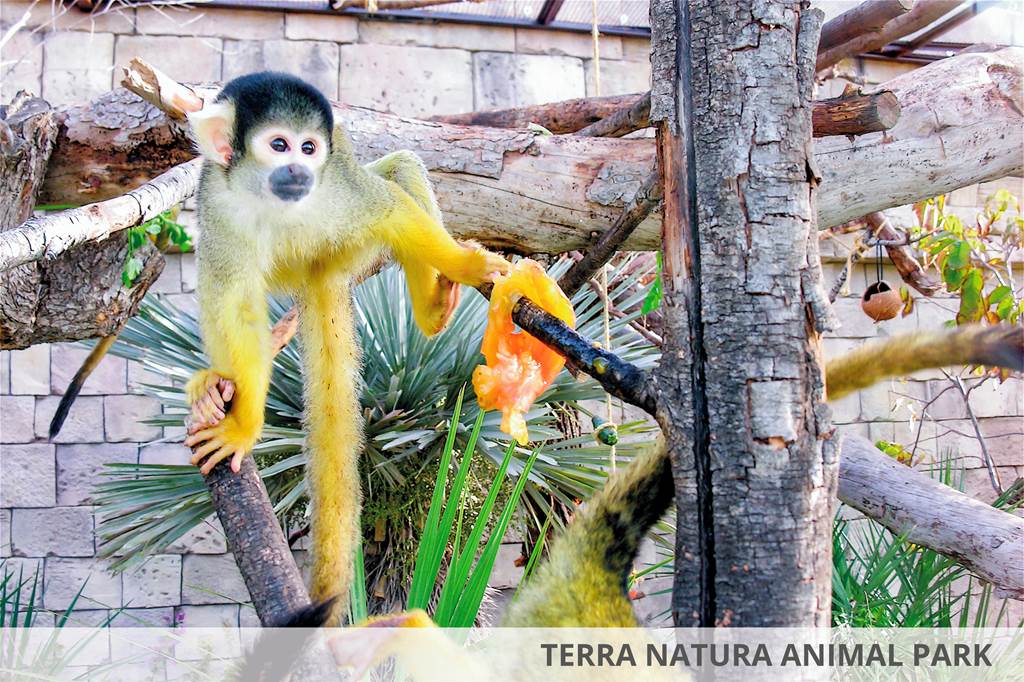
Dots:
pixel 987 541
pixel 77 295
pixel 533 194
pixel 740 397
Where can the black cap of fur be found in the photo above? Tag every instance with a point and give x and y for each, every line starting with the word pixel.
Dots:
pixel 272 96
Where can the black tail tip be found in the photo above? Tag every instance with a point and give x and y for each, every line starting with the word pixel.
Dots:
pixel 314 615
pixel 1007 347
pixel 62 413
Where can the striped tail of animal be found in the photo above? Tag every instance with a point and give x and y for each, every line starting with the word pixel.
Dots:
pixel 334 434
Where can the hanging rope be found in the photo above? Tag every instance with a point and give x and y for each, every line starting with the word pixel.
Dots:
pixel 605 431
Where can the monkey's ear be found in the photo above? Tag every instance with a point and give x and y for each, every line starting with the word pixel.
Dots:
pixel 212 128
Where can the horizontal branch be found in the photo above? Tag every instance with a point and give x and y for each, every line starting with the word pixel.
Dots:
pixel 558 117
pixel 987 541
pixel 855 114
pixel 925 12
pixel 867 17
pixel 48 236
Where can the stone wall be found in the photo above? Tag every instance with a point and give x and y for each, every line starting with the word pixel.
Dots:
pixel 46 513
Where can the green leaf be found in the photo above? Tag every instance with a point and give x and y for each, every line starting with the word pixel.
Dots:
pixel 653 298
pixel 971 303
pixel 959 256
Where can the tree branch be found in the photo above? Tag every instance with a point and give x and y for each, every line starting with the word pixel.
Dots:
pixel 567 116
pixel 987 541
pixel 867 17
pixel 48 236
pixel 622 122
pixel 924 13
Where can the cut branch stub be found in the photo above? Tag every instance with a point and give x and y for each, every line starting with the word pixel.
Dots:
pixel 856 114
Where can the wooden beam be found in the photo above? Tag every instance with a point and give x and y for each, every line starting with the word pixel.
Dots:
pixel 866 17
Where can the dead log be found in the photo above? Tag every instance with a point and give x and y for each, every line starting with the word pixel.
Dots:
pixel 856 114
pixel 78 295
pixel 924 13
pixel 987 541
pixel 557 117
pixel 551 194
pixel 868 17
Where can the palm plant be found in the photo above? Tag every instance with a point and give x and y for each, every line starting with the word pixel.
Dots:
pixel 410 386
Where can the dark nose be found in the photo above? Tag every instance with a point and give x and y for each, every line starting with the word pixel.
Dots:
pixel 291 182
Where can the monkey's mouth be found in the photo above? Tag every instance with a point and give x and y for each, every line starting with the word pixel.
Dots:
pixel 290 191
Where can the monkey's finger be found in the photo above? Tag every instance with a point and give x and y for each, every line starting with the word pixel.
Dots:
pixel 236 461
pixel 202 436
pixel 215 459
pixel 227 389
pixel 206 449
pixel 214 393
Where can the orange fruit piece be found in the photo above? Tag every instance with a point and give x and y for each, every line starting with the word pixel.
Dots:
pixel 519 367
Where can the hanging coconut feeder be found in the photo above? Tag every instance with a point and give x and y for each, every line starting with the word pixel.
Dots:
pixel 605 432
pixel 881 302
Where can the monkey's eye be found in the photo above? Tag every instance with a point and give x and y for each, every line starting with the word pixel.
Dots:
pixel 308 148
pixel 279 144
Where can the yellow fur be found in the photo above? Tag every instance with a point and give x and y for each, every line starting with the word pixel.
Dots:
pixel 355 216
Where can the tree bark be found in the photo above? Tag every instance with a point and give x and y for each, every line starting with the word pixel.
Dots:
pixel 557 117
pixel 987 541
pixel 77 295
pixel 255 539
pixel 500 185
pixel 740 402
pixel 924 13
pixel 855 114
pixel 867 17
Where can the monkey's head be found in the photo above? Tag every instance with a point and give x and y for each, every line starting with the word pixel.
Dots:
pixel 270 132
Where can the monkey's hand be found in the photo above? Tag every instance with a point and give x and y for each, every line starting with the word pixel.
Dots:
pixel 209 394
pixel 479 265
pixel 213 434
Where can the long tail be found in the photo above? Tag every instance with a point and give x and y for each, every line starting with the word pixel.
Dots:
pixel 994 346
pixel 334 434
pixel 74 388
pixel 583 583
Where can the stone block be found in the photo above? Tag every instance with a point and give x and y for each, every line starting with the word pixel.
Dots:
pixel 997 399
pixel 409 81
pixel 846 409
pixel 54 531
pixel 162 617
pixel 314 61
pixel 510 80
pixel 221 23
pixel 169 281
pixel 566 43
pixel 17 418
pixel 5 372
pixel 30 370
pixel 618 77
pixel 186 303
pixel 462 36
pixel 139 377
pixel 247 617
pixel 101 589
pixel 123 417
pixel 964 196
pixel 505 572
pixel 26 572
pixel 27 475
pixel 107 377
pixel 25 72
pixel 191 60
pixel 114 18
pixel 5 533
pixel 893 400
pixel 878 71
pixel 155 582
pixel 211 579
pixel 84 423
pixel 80 468
pixel 79 65
pixel 189 277
pixel 336 29
pixel 207 616
pixel 636 49
pixel 164 453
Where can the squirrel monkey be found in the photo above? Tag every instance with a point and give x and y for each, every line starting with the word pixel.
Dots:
pixel 284 206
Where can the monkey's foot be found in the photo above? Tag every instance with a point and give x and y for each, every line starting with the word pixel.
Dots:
pixel 367 644
pixel 209 394
pixel 216 443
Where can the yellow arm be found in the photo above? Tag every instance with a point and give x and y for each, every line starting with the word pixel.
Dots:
pixel 237 338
